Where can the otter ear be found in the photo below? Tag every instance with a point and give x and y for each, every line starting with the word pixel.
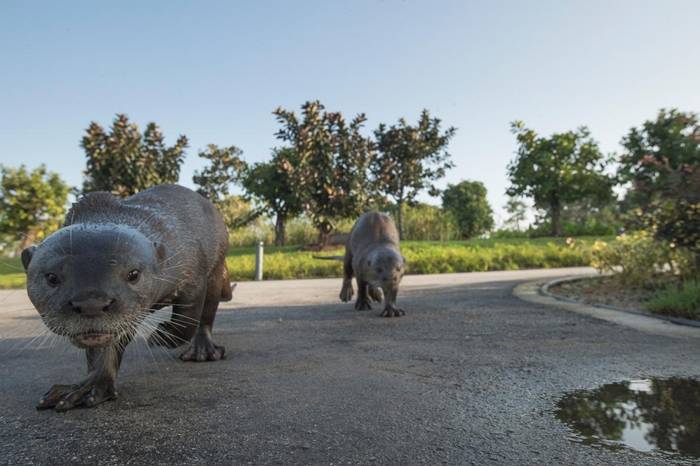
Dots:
pixel 27 256
pixel 160 251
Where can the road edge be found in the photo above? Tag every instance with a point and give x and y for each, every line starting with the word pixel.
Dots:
pixel 532 292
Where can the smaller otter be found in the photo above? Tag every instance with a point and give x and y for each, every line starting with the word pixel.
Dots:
pixel 373 256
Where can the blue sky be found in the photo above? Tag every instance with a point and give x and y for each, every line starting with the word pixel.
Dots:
pixel 215 71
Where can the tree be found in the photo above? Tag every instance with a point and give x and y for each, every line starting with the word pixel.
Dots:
pixel 517 212
pixel 125 162
pixel 328 165
pixel 225 168
pixel 661 162
pixel 32 203
pixel 468 204
pixel 410 159
pixel 563 168
pixel 270 184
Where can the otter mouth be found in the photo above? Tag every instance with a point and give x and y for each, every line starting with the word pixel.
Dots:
pixel 92 339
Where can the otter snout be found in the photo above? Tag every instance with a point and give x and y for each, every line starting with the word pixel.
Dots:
pixel 91 306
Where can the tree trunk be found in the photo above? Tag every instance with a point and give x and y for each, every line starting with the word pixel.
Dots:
pixel 281 230
pixel 555 216
pixel 324 234
pixel 399 218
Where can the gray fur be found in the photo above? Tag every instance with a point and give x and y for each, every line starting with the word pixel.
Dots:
pixel 373 256
pixel 173 237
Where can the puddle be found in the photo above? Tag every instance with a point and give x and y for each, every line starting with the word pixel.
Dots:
pixel 645 415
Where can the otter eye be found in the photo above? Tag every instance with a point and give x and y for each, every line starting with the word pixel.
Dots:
pixel 52 279
pixel 133 276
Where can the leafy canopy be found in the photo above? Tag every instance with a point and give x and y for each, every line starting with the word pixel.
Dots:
pixel 328 165
pixel 468 204
pixel 225 168
pixel 556 170
pixel 32 203
pixel 124 161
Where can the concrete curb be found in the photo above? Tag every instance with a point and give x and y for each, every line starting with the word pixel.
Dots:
pixel 544 289
pixel 532 292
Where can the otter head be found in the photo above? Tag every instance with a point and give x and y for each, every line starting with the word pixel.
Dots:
pixel 92 282
pixel 386 268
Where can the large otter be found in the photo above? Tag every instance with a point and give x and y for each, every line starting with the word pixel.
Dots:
pixel 114 261
pixel 373 255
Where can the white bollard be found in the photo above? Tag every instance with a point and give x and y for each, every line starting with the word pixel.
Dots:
pixel 259 262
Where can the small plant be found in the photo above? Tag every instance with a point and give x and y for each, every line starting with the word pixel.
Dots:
pixel 678 301
pixel 638 259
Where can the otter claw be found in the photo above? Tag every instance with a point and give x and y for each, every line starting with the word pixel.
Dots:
pixel 85 395
pixel 203 349
pixel 363 305
pixel 393 312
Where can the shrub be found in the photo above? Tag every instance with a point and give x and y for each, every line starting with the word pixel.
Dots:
pixel 638 259
pixel 678 301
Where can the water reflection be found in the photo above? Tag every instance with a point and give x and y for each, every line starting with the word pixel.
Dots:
pixel 655 414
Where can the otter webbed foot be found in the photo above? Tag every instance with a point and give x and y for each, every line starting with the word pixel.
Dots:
pixel 202 349
pixel 392 311
pixel 86 394
pixel 363 305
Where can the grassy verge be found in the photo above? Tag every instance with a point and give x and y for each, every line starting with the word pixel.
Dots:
pixel 683 301
pixel 423 257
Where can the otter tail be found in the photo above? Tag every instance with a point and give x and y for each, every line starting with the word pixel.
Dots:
pixel 330 258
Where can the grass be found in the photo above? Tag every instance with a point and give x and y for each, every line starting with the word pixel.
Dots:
pixel 424 257
pixel 677 301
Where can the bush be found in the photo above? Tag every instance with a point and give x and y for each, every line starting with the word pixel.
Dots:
pixel 638 259
pixel 683 301
pixel 424 222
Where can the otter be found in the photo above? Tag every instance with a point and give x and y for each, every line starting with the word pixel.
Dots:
pixel 373 256
pixel 112 263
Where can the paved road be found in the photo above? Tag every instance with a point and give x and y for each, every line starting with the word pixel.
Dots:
pixel 469 376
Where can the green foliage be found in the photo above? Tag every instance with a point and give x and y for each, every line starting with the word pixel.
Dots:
pixel 32 203
pixel 662 164
pixel 289 262
pixel 225 168
pixel 328 164
pixel 468 204
pixel 125 162
pixel 238 213
pixel 410 159
pixel 517 213
pixel 639 260
pixel 424 222
pixel 563 168
pixel 271 185
pixel 678 301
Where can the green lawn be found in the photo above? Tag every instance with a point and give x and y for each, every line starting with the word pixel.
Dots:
pixel 423 257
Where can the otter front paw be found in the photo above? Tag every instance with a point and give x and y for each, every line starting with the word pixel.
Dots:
pixel 391 311
pixel 363 305
pixel 86 394
pixel 202 349
pixel 346 292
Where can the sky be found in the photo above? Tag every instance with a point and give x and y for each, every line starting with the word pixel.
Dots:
pixel 216 70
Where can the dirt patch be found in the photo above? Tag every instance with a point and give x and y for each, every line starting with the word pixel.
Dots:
pixel 604 290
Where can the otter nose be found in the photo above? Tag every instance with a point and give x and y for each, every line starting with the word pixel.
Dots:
pixel 91 307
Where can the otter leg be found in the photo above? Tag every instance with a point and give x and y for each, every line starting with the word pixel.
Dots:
pixel 203 347
pixel 98 387
pixel 362 303
pixel 390 309
pixel 346 291
pixel 180 328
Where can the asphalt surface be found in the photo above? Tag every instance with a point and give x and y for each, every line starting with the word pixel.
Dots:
pixel 469 376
